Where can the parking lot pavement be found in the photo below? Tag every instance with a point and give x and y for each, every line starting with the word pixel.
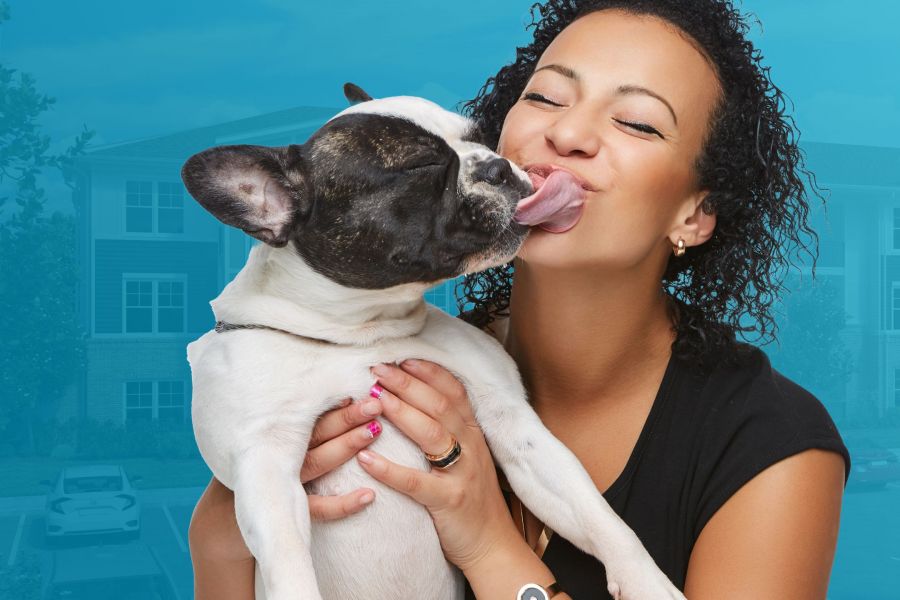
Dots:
pixel 164 528
pixel 11 529
pixel 867 564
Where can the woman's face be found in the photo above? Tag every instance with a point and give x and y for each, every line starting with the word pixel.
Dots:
pixel 623 101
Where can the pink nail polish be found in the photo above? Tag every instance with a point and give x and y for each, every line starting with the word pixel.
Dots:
pixel 374 428
pixel 375 391
pixel 365 457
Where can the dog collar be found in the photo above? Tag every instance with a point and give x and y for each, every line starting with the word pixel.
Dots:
pixel 222 327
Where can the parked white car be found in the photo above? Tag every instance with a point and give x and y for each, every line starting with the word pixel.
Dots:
pixel 92 499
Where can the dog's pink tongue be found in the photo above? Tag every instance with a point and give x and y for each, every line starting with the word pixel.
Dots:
pixel 556 205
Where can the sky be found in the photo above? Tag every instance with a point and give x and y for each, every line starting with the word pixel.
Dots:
pixel 133 71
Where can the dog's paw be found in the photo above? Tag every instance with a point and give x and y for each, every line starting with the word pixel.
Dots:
pixel 639 579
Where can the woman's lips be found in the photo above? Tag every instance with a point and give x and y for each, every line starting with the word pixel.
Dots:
pixel 542 170
pixel 557 202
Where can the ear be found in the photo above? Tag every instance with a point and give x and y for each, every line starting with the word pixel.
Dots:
pixel 258 189
pixel 695 226
pixel 355 94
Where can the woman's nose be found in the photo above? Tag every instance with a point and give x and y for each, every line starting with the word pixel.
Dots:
pixel 574 132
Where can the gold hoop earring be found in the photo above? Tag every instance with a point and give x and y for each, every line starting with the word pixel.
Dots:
pixel 679 248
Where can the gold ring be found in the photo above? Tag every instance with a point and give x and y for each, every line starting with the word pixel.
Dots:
pixel 448 457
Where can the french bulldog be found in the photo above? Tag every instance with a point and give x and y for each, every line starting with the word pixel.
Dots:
pixel 387 199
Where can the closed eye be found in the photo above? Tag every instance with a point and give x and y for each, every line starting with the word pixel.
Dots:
pixel 640 127
pixel 539 98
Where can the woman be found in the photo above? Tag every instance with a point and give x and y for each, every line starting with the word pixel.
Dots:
pixel 623 326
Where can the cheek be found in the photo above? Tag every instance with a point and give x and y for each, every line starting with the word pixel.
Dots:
pixel 518 132
pixel 650 181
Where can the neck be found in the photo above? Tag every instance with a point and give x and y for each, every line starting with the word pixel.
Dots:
pixel 278 289
pixel 586 341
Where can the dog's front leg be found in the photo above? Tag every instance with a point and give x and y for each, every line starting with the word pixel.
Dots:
pixel 548 478
pixel 273 515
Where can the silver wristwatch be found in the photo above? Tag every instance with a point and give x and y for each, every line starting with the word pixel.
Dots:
pixel 532 591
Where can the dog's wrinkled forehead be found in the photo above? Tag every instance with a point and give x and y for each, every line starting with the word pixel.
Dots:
pixel 453 128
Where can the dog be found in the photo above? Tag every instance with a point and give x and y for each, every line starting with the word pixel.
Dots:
pixel 388 198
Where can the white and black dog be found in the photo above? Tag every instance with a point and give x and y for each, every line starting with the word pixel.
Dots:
pixel 388 198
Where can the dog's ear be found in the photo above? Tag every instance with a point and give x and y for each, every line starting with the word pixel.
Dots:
pixel 355 94
pixel 259 189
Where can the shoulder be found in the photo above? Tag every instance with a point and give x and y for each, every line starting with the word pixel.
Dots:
pixel 750 396
pixel 748 416
pixel 775 536
pixel 774 468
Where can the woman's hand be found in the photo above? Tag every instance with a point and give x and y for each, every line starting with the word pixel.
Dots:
pixel 428 404
pixel 337 436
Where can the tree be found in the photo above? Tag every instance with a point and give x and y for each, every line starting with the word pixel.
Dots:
pixel 811 350
pixel 43 346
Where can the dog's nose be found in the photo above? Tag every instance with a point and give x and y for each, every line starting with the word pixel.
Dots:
pixel 495 171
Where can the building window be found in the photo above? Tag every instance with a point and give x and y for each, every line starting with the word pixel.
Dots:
pixel 170 306
pixel 154 306
pixel 171 208
pixel 138 207
pixel 896 228
pixel 154 401
pixel 895 306
pixel 138 400
pixel 171 401
pixel 142 215
pixel 138 306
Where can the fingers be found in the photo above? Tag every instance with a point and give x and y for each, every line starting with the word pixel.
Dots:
pixel 327 456
pixel 444 382
pixel 329 508
pixel 420 411
pixel 430 435
pixel 422 487
pixel 340 420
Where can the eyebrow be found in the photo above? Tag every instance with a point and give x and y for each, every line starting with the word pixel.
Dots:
pixel 622 90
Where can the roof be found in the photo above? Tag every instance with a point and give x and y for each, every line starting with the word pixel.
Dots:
pixel 846 164
pixel 296 122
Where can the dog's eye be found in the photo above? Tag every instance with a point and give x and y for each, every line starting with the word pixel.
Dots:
pixel 426 165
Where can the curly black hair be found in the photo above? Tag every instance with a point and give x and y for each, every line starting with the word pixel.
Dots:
pixel 750 162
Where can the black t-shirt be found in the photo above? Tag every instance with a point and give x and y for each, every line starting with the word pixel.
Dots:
pixel 706 436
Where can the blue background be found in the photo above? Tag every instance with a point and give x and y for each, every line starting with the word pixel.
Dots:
pixel 108 266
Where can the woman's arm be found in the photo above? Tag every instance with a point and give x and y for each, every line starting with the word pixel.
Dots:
pixel 223 565
pixel 472 519
pixel 504 570
pixel 775 537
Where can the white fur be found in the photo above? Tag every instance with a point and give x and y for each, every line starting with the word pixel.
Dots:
pixel 257 394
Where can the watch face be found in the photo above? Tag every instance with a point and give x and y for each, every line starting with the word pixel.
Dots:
pixel 532 592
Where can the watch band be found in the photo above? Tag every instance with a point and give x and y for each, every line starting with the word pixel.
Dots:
pixel 533 591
